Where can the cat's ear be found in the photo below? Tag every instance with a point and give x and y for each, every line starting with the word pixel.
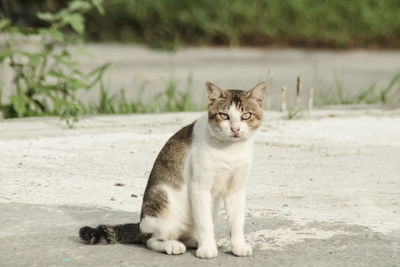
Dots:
pixel 258 93
pixel 213 92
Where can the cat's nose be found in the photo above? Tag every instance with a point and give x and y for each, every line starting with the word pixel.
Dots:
pixel 235 130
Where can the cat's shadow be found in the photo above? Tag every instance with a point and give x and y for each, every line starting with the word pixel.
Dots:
pixel 191 251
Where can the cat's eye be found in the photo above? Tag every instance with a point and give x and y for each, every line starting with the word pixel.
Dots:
pixel 246 116
pixel 224 116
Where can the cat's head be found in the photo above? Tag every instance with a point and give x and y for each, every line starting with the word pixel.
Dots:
pixel 235 114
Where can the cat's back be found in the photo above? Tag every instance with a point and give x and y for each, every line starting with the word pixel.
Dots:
pixel 167 171
pixel 170 161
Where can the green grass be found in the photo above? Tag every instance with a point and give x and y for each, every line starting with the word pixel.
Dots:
pixel 118 103
pixel 389 94
pixel 172 100
pixel 305 23
pixel 169 100
pixel 172 23
pixel 295 113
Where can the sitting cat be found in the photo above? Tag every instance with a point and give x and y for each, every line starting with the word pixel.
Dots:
pixel 202 163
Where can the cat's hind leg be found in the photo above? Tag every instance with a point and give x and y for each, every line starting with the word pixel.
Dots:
pixel 165 234
pixel 171 247
pixel 168 222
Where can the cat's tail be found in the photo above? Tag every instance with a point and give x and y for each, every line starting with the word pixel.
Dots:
pixel 109 234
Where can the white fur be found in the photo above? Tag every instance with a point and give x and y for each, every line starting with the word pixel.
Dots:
pixel 216 168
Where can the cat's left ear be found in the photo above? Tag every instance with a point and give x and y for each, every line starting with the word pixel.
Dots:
pixel 213 92
pixel 258 93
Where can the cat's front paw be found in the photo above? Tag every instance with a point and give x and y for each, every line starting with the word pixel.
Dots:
pixel 173 247
pixel 207 251
pixel 242 250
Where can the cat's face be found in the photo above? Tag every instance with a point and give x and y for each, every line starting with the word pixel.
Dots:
pixel 235 114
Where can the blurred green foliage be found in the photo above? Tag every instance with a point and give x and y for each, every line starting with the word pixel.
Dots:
pixel 169 99
pixel 307 23
pixel 45 80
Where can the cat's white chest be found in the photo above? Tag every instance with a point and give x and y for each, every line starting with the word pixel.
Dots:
pixel 228 168
pixel 220 168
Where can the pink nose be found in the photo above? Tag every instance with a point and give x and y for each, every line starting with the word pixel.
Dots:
pixel 235 130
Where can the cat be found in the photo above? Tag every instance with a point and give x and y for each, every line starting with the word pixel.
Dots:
pixel 201 164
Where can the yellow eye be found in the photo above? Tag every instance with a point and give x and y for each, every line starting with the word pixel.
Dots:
pixel 224 116
pixel 246 116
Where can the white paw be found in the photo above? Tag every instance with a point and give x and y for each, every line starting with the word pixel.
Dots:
pixel 207 251
pixel 241 249
pixel 173 247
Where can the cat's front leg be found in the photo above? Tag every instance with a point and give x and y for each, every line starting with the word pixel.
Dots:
pixel 234 202
pixel 201 201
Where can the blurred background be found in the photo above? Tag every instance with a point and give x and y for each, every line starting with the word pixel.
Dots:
pixel 257 23
pixel 156 55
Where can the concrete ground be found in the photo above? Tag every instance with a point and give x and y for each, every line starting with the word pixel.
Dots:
pixel 324 190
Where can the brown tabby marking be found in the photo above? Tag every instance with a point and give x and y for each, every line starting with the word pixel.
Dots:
pixel 243 100
pixel 154 201
pixel 167 170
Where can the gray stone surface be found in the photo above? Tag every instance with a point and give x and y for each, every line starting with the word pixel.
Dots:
pixel 324 190
pixel 38 235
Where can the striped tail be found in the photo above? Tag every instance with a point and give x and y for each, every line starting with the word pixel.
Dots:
pixel 109 234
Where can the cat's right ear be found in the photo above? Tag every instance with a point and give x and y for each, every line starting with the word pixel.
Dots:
pixel 258 93
pixel 213 92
